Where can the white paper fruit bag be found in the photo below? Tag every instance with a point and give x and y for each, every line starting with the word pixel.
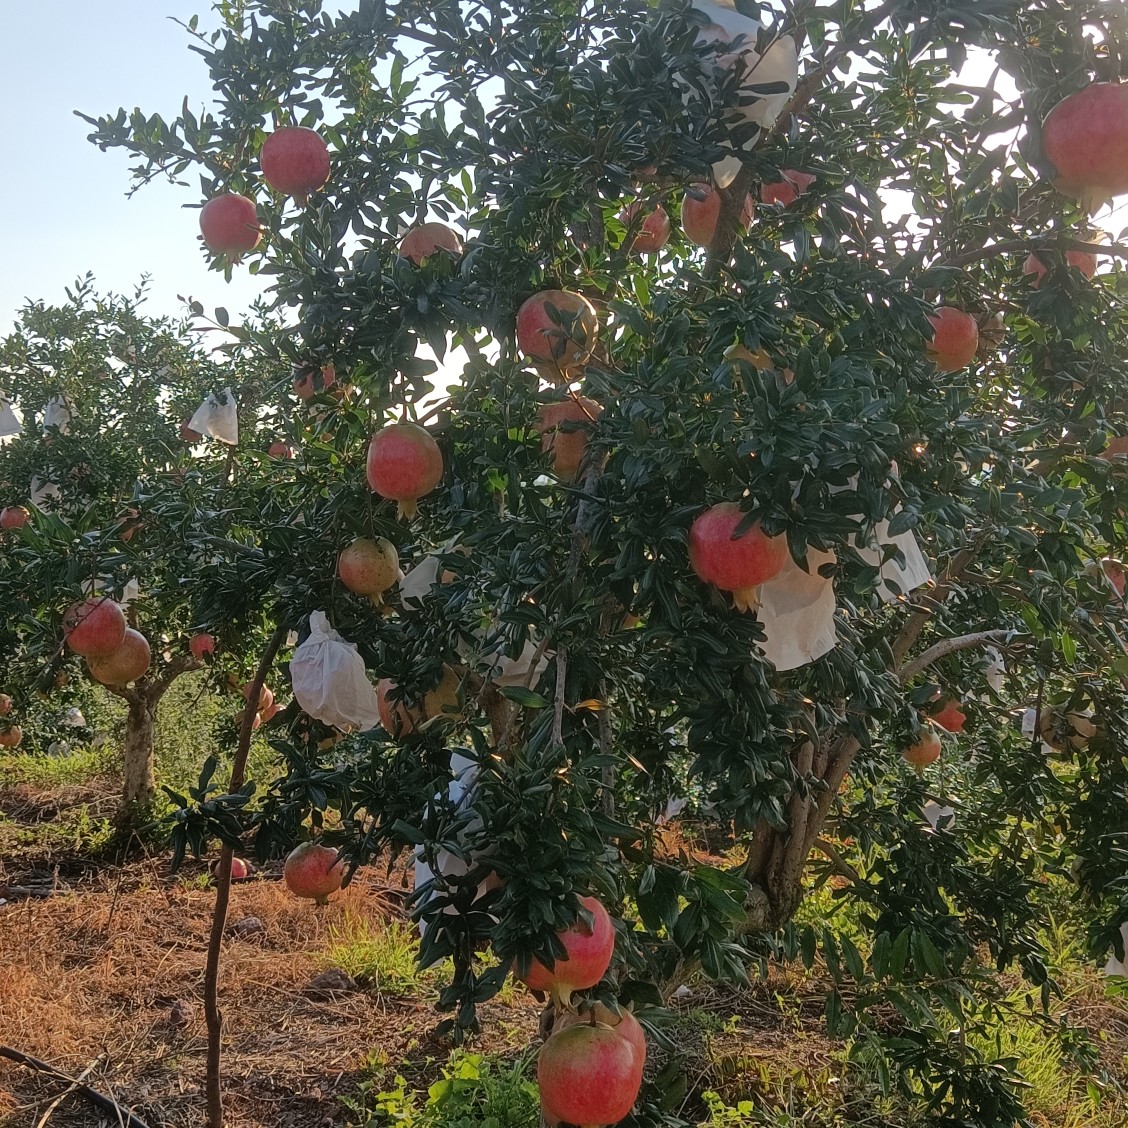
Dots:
pixel 330 682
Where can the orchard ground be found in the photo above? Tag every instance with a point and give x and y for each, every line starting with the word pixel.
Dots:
pixel 107 971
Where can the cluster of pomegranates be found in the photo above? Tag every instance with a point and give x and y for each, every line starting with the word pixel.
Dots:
pixel 266 708
pixel 115 653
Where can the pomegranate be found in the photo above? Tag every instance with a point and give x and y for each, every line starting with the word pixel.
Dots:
pixel 955 339
pixel 737 565
pixel 13 517
pixel 588 1075
pixel 1115 573
pixel 1085 138
pixel 1116 447
pixel 201 644
pixel 94 628
pixel 241 716
pixel 950 717
pixel 701 209
pixel 562 341
pixel 923 751
pixel 279 449
pixel 5 704
pixel 369 567
pixel 240 870
pixel 421 242
pixel 229 224
pixel 786 191
pixel 624 1024
pixel 567 446
pixel 314 871
pixel 126 664
pixel 1060 730
pixel 266 697
pixel 11 736
pixel 401 719
pixel 271 712
pixel 652 235
pixel 309 381
pixel 589 948
pixel 295 161
pixel 1084 261
pixel 404 463
pixel 189 434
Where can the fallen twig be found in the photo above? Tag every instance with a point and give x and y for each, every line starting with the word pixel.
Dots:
pixel 71 1088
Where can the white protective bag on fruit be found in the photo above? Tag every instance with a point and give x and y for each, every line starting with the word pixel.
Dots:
pixel 9 421
pixel 44 491
pixel 330 682
pixel 57 414
pixel 1115 966
pixel 218 416
pixel 797 613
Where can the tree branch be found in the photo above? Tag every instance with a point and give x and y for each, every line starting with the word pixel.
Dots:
pixel 949 646
pixel 1031 246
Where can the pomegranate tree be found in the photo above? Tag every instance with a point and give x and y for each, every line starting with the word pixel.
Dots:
pixel 126 664
pixel 786 191
pixel 369 567
pixel 94 628
pixel 736 564
pixel 14 517
pixel 588 945
pixel 652 234
pixel 402 718
pixel 295 161
pixel 564 428
pixel 229 224
pixel 1085 138
pixel 955 339
pixel 314 871
pixel 557 330
pixel 421 242
pixel 923 751
pixel 404 464
pixel 588 1075
pixel 701 209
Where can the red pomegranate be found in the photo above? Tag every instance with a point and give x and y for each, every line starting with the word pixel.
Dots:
pixel 126 664
pixel 369 567
pixel 421 242
pixel 266 697
pixel 654 232
pixel 280 449
pixel 1084 261
pixel 560 342
pixel 404 463
pixel 189 434
pixel 588 1075
pixel 951 718
pixel 14 517
pixel 201 644
pixel 1085 138
pixel 314 871
pixel 567 446
pixel 229 224
pixel 295 161
pixel 955 339
pixel 240 870
pixel 786 191
pixel 400 718
pixel 701 209
pixel 11 736
pixel 923 751
pixel 310 381
pixel 737 565
pixel 624 1024
pixel 271 712
pixel 94 628
pixel 589 948
pixel 5 704
pixel 1115 573
pixel 241 716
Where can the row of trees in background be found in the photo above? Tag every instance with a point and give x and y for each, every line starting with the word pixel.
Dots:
pixel 787 367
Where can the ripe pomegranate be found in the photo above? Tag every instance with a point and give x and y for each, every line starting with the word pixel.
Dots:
pixel 951 718
pixel 401 719
pixel 201 644
pixel 278 449
pixel 955 339
pixel 126 664
pixel 271 712
pixel 1060 730
pixel 1084 261
pixel 624 1024
pixel 567 446
pixel 241 716
pixel 14 517
pixel 652 235
pixel 266 697
pixel 404 463
pixel 588 1075
pixel 11 736
pixel 230 225
pixel 1115 572
pixel 310 381
pixel 421 242
pixel 589 948
pixel 701 209
pixel 786 191
pixel 94 628
pixel 924 751
pixel 560 343
pixel 369 567
pixel 5 704
pixel 240 870
pixel 314 871
pixel 189 434
pixel 1085 138
pixel 295 161
pixel 739 566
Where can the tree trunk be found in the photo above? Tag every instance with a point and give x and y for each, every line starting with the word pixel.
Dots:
pixel 139 786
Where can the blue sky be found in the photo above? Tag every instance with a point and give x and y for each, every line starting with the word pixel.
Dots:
pixel 63 201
